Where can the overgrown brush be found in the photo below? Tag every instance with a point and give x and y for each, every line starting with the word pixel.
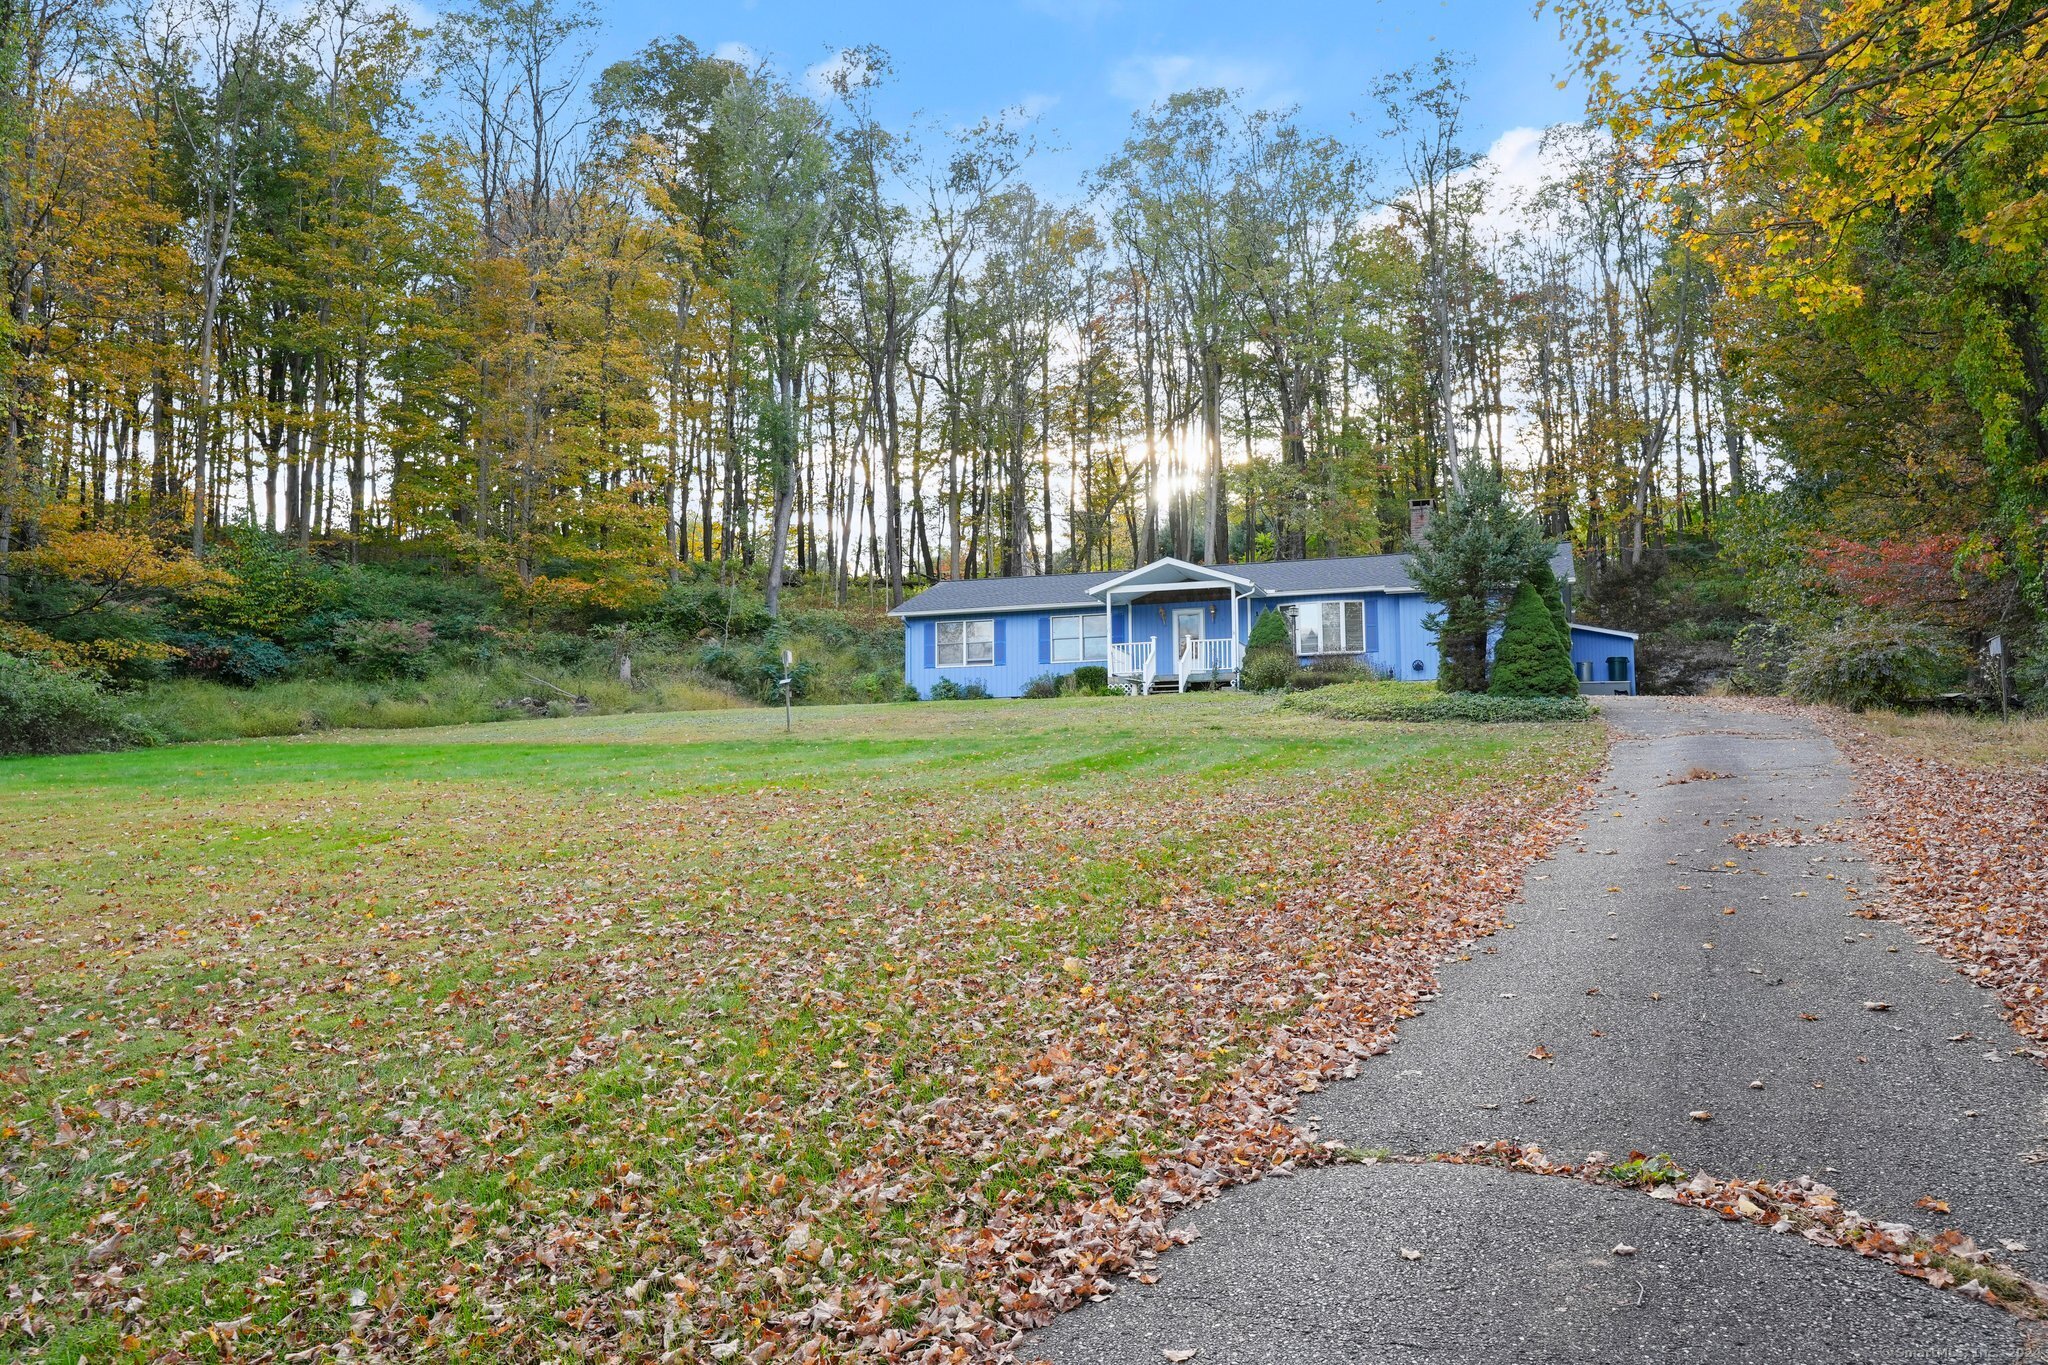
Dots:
pixel 44 711
pixel 190 709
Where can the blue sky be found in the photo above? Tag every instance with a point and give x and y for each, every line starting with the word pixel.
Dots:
pixel 1085 65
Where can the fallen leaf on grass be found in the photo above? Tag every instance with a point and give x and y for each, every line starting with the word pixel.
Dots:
pixel 904 935
pixel 1877 1005
pixel 1700 1115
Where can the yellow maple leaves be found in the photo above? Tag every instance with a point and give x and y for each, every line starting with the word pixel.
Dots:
pixel 1807 120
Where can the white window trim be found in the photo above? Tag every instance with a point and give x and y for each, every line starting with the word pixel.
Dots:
pixel 939 643
pixel 1081 622
pixel 1317 605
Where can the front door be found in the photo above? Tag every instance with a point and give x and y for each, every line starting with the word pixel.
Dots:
pixel 1187 625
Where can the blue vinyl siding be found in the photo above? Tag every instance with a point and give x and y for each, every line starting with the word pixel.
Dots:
pixel 1388 630
pixel 1415 643
pixel 1594 656
pixel 1023 651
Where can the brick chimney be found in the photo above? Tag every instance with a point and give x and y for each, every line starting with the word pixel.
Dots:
pixel 1419 512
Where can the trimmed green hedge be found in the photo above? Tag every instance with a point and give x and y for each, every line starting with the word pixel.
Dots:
pixel 1409 702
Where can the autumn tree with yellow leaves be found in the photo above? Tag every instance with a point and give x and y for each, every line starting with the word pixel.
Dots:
pixel 1878 171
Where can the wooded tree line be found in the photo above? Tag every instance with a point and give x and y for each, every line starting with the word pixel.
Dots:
pixel 1865 185
pixel 392 291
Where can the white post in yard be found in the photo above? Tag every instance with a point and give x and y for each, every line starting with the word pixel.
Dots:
pixel 787 683
pixel 1232 660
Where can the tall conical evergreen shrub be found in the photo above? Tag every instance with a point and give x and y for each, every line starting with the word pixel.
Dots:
pixel 1268 654
pixel 1269 632
pixel 1552 593
pixel 1532 659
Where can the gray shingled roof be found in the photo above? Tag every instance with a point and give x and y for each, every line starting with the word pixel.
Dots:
pixel 1005 594
pixel 1389 573
pixel 1357 573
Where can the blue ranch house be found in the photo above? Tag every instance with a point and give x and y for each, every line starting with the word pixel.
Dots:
pixel 1170 624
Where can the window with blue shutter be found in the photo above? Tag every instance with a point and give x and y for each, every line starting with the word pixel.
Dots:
pixel 1080 639
pixel 968 644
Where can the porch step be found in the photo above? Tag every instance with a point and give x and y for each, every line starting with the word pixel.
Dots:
pixel 1136 686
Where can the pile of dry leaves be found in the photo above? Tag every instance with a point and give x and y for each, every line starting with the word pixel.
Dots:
pixel 1965 856
pixel 1805 1208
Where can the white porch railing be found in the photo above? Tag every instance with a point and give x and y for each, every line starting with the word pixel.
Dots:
pixel 1202 658
pixel 1135 664
pixel 1132 663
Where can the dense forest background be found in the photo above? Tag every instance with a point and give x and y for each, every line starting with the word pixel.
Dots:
pixel 333 342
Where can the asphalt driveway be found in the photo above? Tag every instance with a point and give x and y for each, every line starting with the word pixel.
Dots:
pixel 1661 966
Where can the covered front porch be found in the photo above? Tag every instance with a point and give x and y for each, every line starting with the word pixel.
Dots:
pixel 1174 625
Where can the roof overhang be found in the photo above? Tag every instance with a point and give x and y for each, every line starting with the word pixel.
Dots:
pixel 1168 573
pixel 1083 605
pixel 1338 590
pixel 1603 630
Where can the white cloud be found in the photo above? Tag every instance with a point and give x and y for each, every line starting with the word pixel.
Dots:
pixel 1520 162
pixel 737 53
pixel 1036 104
pixel 821 79
pixel 1515 166
pixel 1146 80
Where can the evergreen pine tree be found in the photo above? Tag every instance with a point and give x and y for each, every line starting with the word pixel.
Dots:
pixel 1478 548
pixel 1531 659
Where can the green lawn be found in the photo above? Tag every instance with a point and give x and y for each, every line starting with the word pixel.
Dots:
pixel 649 1033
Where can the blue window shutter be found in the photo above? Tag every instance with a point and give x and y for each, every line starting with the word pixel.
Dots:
pixel 1000 623
pixel 1045 639
pixel 931 644
pixel 1372 626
